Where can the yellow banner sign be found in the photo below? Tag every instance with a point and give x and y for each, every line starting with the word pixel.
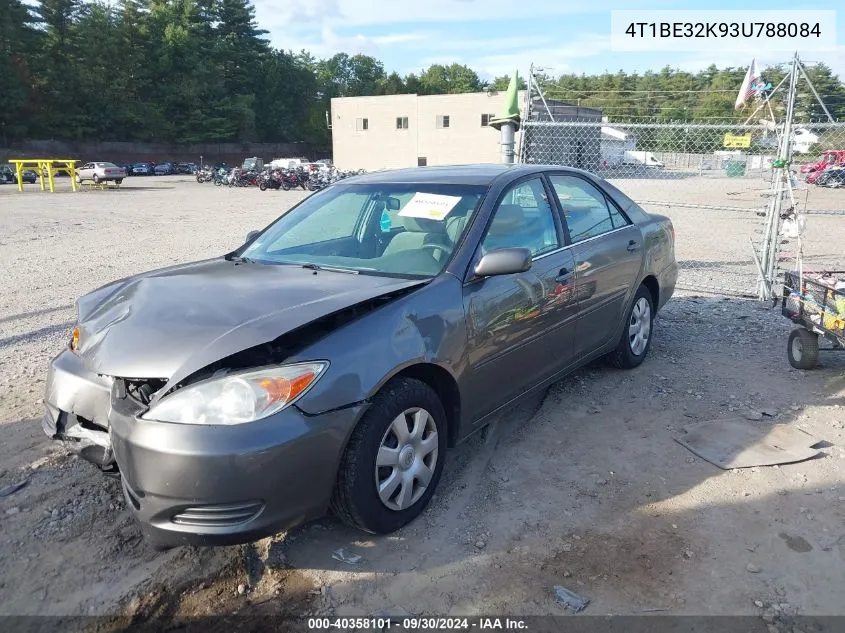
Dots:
pixel 737 141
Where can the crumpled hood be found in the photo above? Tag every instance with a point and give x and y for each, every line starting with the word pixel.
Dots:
pixel 172 322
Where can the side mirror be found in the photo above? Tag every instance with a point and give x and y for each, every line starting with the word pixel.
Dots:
pixel 504 261
pixel 252 235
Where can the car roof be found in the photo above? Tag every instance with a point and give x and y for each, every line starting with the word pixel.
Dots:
pixel 480 174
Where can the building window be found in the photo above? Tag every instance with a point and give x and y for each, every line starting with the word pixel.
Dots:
pixel 401 123
pixel 362 124
pixel 422 161
pixel 442 121
pixel 486 118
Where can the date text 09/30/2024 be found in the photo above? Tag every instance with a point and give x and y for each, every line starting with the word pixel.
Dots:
pixel 416 624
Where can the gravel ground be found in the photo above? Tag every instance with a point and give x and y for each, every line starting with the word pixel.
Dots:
pixel 583 486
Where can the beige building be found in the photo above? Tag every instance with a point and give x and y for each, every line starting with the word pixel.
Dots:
pixel 391 131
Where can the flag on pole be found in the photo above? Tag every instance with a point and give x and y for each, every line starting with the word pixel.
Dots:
pixel 749 85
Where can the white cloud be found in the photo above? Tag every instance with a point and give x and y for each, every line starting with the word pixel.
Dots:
pixel 834 58
pixel 554 60
pixel 400 38
pixel 374 12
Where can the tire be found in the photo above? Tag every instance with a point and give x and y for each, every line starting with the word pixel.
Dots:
pixel 285 186
pixel 96 179
pixel 262 185
pixel 218 183
pixel 118 181
pixel 78 180
pixel 629 354
pixel 802 349
pixel 355 499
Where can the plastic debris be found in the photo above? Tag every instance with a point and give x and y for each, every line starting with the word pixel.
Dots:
pixel 343 557
pixel 13 488
pixel 570 599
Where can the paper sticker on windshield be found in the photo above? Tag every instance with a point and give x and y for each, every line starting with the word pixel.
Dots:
pixel 384 222
pixel 429 206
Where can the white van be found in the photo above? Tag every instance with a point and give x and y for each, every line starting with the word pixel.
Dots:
pixel 646 159
pixel 288 163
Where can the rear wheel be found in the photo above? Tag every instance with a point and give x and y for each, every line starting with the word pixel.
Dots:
pixel 803 349
pixel 394 459
pixel 636 337
pixel 118 181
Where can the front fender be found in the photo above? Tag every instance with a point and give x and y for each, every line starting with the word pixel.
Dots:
pixel 426 326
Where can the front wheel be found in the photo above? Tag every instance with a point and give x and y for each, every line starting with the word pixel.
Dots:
pixel 96 179
pixel 636 337
pixel 394 459
pixel 803 349
pixel 262 185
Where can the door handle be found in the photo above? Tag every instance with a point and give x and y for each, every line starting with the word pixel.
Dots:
pixel 563 274
pixel 632 245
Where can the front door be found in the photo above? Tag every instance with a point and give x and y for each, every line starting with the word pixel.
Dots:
pixel 608 253
pixel 521 325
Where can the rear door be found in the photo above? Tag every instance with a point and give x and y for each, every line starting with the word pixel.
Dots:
pixel 520 326
pixel 608 253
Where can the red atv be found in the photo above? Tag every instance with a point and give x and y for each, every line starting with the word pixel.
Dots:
pixel 830 158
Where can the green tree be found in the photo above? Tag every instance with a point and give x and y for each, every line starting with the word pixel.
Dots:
pixel 502 83
pixel 55 80
pixel 18 44
pixel 393 84
pixel 453 79
pixel 829 88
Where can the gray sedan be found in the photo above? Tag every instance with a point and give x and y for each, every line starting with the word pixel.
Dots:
pixel 330 361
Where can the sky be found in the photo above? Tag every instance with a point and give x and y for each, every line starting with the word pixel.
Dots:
pixel 494 37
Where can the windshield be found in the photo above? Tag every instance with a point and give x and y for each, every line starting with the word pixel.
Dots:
pixel 390 229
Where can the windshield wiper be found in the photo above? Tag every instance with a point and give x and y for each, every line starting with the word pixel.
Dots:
pixel 332 269
pixel 241 260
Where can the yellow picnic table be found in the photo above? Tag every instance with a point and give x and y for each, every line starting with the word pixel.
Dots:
pixel 42 165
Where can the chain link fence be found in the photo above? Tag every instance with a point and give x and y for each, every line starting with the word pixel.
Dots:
pixel 715 183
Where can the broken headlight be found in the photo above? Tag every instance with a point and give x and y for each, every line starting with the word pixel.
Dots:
pixel 239 397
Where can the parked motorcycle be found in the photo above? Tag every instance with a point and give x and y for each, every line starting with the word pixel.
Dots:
pixel 270 180
pixel 204 175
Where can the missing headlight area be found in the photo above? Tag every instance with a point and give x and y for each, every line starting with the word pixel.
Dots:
pixel 140 390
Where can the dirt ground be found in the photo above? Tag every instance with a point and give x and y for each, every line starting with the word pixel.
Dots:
pixel 583 486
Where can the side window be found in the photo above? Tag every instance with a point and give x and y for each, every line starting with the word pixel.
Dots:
pixel 523 219
pixel 586 209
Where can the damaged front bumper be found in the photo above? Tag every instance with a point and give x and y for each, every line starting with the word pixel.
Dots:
pixel 77 404
pixel 200 484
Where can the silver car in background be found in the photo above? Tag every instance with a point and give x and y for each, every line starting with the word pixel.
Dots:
pixel 100 172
